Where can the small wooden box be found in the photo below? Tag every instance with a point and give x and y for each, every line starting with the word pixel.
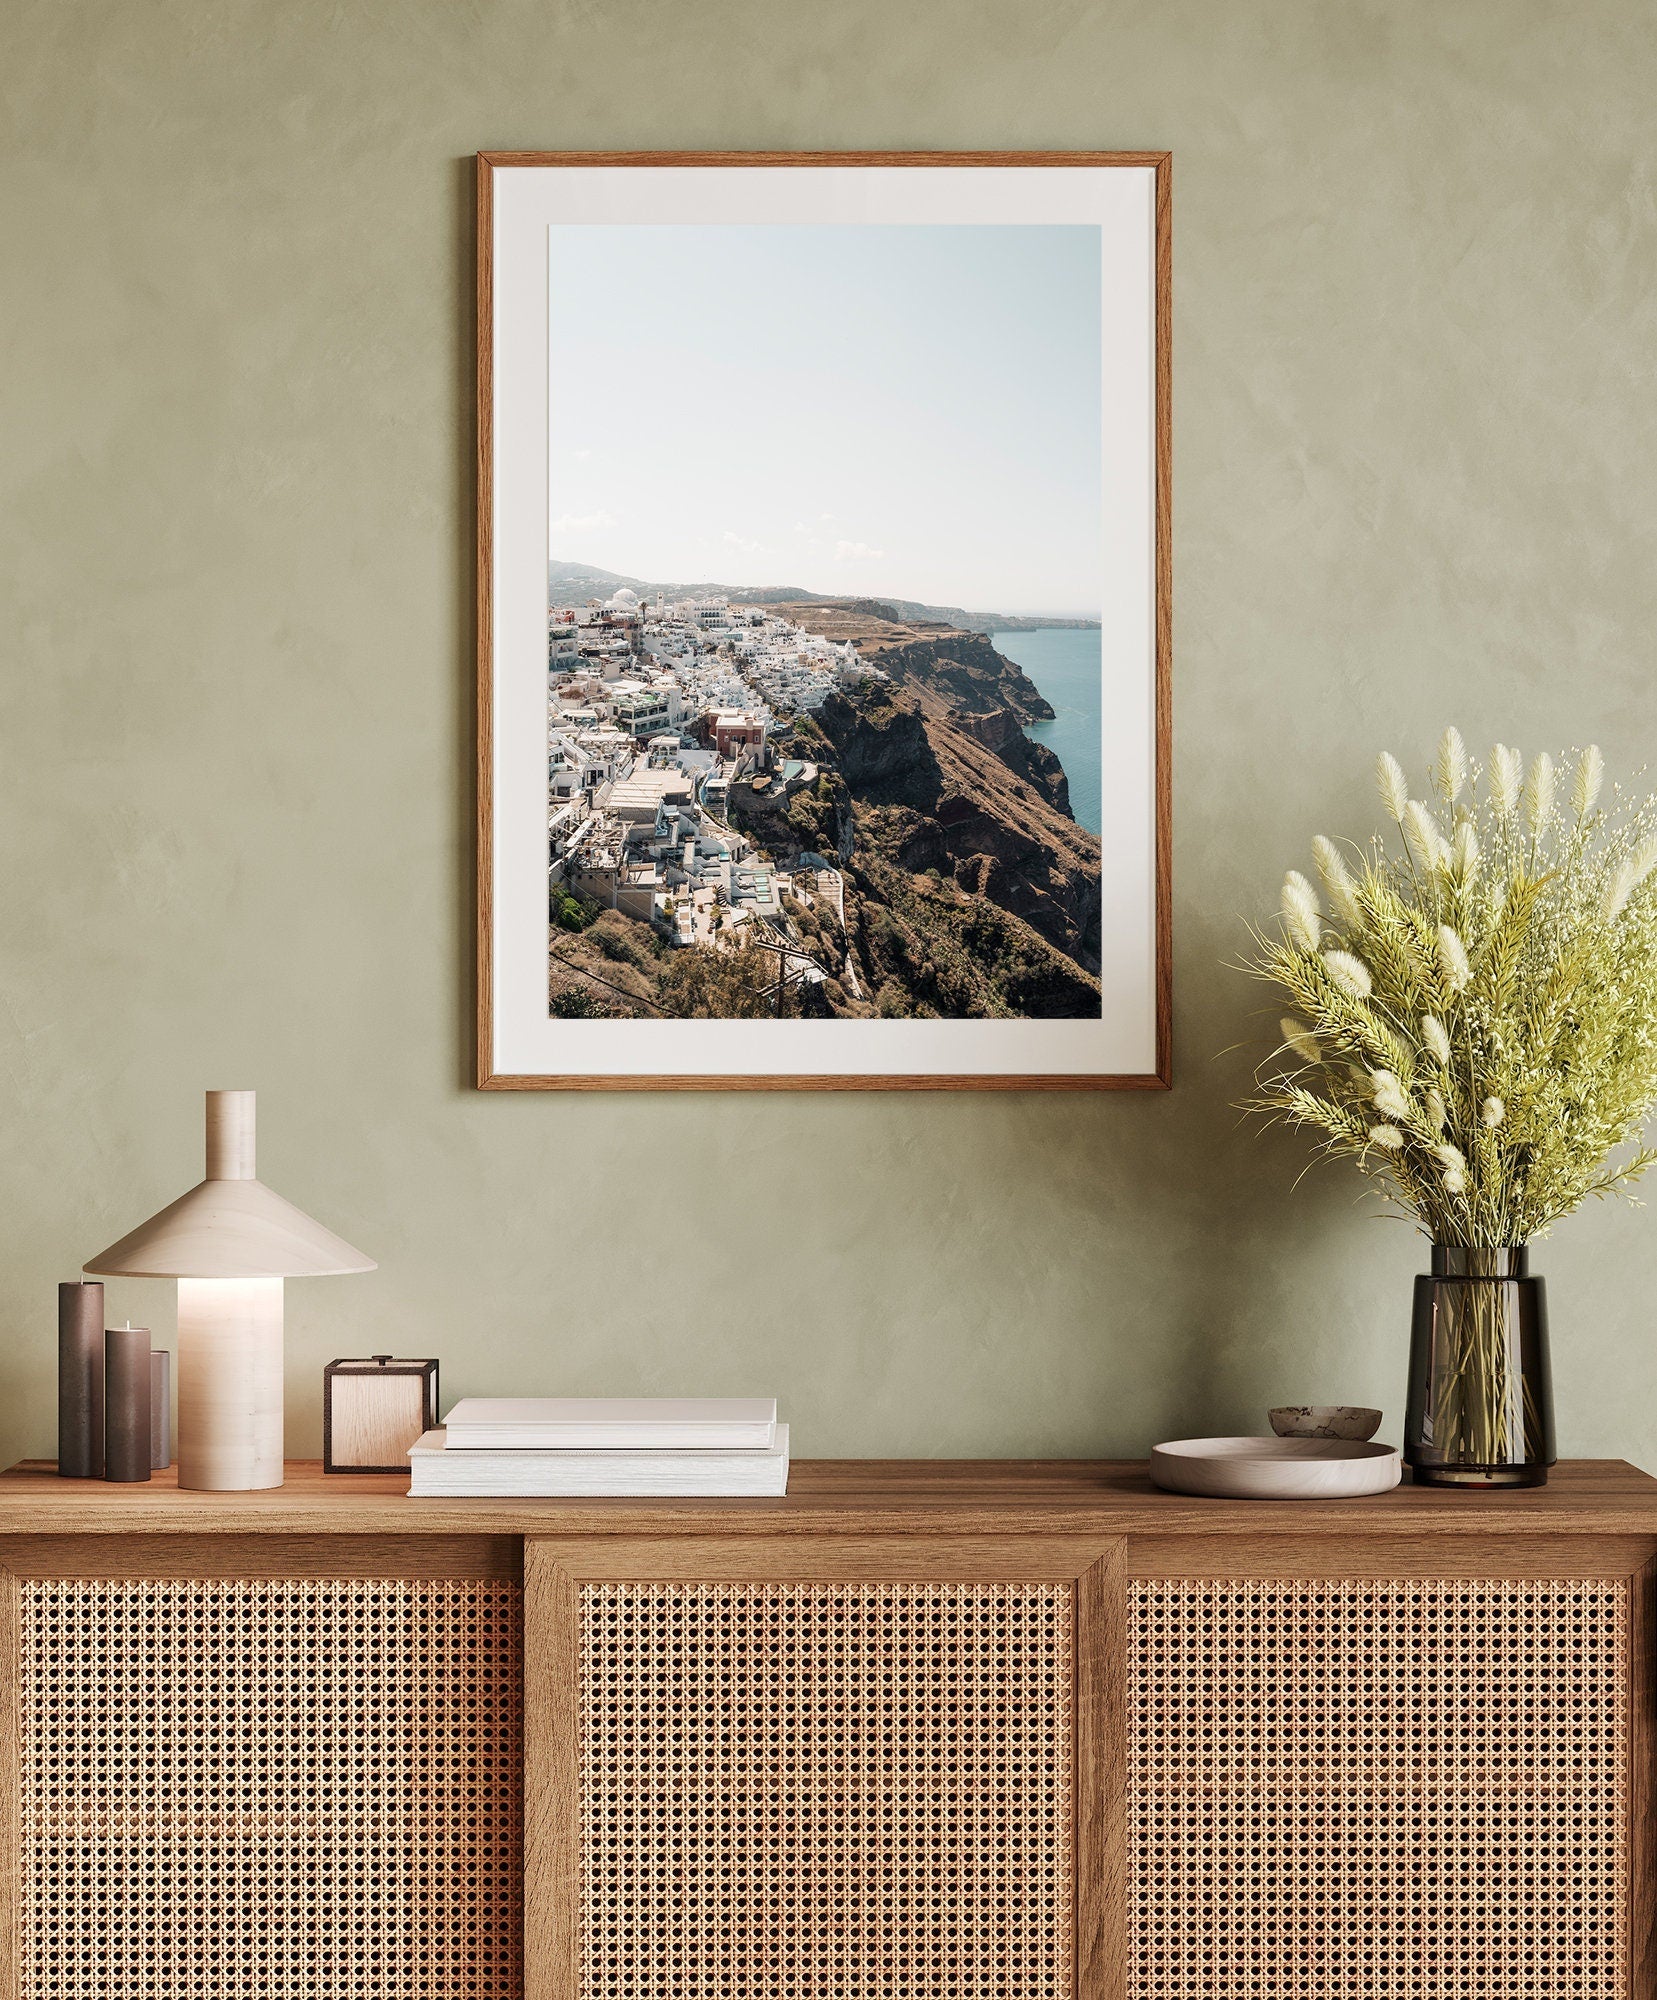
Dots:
pixel 373 1410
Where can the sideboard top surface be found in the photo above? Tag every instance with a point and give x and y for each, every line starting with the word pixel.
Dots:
pixel 828 1496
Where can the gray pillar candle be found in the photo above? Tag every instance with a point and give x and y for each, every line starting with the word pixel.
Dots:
pixel 161 1410
pixel 81 1380
pixel 127 1402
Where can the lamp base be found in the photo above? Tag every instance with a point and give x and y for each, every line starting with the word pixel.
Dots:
pixel 229 1384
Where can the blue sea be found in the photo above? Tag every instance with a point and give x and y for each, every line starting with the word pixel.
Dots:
pixel 1068 668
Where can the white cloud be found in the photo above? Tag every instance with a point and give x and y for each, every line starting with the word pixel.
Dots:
pixel 741 544
pixel 857 552
pixel 582 524
pixel 580 454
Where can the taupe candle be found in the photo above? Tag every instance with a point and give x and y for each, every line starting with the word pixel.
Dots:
pixel 161 1410
pixel 81 1380
pixel 127 1402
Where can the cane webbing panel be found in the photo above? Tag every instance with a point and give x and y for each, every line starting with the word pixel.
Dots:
pixel 1406 1790
pixel 810 1791
pixel 293 1789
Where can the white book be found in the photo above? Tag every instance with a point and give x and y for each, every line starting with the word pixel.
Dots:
pixel 613 1423
pixel 574 1475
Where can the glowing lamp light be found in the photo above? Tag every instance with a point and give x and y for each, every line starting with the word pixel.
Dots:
pixel 229 1242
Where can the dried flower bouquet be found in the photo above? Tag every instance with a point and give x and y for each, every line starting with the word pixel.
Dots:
pixel 1475 1026
pixel 1476 1011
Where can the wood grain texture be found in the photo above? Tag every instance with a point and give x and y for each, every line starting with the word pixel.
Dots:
pixel 230 1402
pixel 230 1226
pixel 856 1497
pixel 1093 1527
pixel 232 1135
pixel 730 1558
pixel 809 159
pixel 1164 620
pixel 504 1080
pixel 485 586
pixel 373 1419
pixel 1161 1076
pixel 1101 1827
pixel 1642 1782
pixel 1337 1553
pixel 234 1555
pixel 552 1778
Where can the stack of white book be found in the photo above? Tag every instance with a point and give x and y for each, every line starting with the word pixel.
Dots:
pixel 569 1447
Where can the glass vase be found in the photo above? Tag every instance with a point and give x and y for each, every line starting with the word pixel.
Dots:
pixel 1480 1409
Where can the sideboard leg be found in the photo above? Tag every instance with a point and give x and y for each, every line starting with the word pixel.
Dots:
pixel 1101 1804
pixel 552 1779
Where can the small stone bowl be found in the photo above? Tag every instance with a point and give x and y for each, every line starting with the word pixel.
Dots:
pixel 1325 1420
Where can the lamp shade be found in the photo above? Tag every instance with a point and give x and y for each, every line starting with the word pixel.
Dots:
pixel 232 1225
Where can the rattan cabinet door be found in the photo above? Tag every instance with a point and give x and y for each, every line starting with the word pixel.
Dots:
pixel 816 1770
pixel 301 1787
pixel 1388 1786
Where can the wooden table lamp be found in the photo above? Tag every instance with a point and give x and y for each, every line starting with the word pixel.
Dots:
pixel 229 1242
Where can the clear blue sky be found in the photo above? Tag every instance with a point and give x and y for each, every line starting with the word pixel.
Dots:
pixel 883 408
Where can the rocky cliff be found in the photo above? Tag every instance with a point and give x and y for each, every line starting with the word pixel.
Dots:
pixel 1000 730
pixel 927 794
pixel 992 697
pixel 967 671
pixel 925 946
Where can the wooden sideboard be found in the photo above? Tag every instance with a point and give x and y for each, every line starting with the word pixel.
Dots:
pixel 917 1732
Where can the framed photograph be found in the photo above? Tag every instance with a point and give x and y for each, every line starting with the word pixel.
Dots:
pixel 823 621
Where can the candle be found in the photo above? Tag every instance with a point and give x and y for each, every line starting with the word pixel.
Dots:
pixel 81 1381
pixel 161 1410
pixel 127 1402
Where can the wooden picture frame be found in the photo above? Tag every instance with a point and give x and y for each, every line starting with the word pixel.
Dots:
pixel 505 1002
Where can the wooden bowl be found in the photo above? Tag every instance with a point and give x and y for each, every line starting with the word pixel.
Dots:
pixel 1275 1468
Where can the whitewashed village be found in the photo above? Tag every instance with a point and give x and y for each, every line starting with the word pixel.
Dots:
pixel 660 718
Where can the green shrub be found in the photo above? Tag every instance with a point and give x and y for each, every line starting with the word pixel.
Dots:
pixel 571 912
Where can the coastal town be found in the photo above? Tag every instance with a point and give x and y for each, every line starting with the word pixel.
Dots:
pixel 662 720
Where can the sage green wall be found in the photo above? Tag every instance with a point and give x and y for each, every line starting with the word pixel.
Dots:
pixel 1415 481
